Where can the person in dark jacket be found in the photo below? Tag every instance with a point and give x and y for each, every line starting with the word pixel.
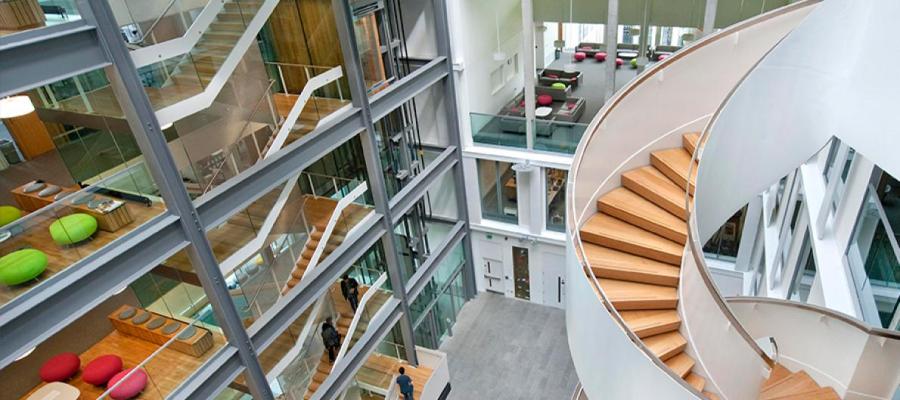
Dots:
pixel 350 290
pixel 331 338
pixel 406 384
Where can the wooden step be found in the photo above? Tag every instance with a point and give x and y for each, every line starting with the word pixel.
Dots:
pixel 604 230
pixel 696 381
pixel 778 373
pixel 639 296
pixel 674 163
pixel 651 322
pixel 630 207
pixel 711 396
pixel 614 264
pixel 825 393
pixel 657 188
pixel 796 383
pixel 689 141
pixel 230 26
pixel 681 364
pixel 666 345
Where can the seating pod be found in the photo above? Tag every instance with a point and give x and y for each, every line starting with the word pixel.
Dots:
pixel 130 387
pixel 22 266
pixel 60 367
pixel 101 369
pixel 73 229
pixel 9 214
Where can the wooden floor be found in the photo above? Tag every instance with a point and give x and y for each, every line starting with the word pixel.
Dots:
pixel 166 370
pixel 59 258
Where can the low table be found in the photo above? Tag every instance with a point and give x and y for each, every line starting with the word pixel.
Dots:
pixel 543 112
pixel 56 391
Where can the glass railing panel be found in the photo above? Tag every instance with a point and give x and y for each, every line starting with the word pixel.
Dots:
pixel 557 136
pixel 146 23
pixel 499 130
pixel 24 15
pixel 53 226
pixel 248 224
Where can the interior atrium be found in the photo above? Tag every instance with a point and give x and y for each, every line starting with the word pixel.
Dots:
pixel 449 199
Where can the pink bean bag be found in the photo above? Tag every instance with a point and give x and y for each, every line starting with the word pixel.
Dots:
pixel 619 62
pixel 600 56
pixel 60 367
pixel 99 371
pixel 131 387
pixel 579 56
pixel 662 57
pixel 544 100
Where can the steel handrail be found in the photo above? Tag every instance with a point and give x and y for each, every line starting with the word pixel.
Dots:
pixel 860 325
pixel 579 155
pixel 155 22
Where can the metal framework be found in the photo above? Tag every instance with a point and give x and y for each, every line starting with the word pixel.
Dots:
pixel 47 55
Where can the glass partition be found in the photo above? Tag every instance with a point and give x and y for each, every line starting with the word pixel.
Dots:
pixel 556 199
pixel 557 135
pixel 497 183
pixel 145 23
pixel 500 130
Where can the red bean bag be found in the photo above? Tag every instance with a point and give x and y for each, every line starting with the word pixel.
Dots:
pixel 130 387
pixel 662 57
pixel 579 56
pixel 99 371
pixel 619 62
pixel 544 100
pixel 60 367
pixel 600 56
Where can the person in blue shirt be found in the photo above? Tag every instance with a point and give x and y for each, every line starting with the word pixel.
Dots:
pixel 406 385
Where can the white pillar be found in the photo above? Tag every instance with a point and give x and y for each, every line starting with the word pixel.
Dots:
pixel 709 17
pixel 528 70
pixel 612 39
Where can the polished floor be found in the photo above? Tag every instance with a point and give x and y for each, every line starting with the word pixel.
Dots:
pixel 593 83
pixel 509 349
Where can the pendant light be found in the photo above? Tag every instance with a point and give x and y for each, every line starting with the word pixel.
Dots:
pixel 15 106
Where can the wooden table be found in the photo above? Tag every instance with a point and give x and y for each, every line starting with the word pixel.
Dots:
pixel 110 220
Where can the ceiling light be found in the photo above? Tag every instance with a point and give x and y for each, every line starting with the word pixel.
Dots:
pixel 15 106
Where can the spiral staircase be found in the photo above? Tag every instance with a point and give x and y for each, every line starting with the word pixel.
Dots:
pixel 644 319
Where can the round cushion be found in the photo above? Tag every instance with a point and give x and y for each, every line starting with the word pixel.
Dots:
pixel 619 62
pixel 9 214
pixel 580 56
pixel 634 63
pixel 99 371
pixel 558 85
pixel 22 266
pixel 49 191
pixel 34 186
pixel 73 228
pixel 600 56
pixel 130 387
pixel 60 367
pixel 544 100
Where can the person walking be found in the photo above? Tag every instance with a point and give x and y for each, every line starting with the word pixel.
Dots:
pixel 331 338
pixel 350 291
pixel 406 385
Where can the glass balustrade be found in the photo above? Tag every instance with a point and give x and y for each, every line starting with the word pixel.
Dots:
pixel 499 130
pixel 144 23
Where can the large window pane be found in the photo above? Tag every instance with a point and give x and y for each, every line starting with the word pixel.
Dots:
pixel 497 184
pixel 556 199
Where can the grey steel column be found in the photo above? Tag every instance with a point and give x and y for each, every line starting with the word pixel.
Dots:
pixel 143 123
pixel 444 47
pixel 612 42
pixel 344 20
pixel 709 17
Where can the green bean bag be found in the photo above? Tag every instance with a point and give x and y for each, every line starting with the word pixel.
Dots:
pixel 558 85
pixel 634 63
pixel 73 228
pixel 9 214
pixel 22 266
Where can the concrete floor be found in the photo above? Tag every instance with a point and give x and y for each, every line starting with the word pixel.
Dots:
pixel 509 349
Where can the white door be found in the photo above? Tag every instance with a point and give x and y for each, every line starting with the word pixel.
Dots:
pixel 493 275
pixel 554 277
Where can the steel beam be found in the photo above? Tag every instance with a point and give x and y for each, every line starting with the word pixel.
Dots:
pixel 426 270
pixel 72 292
pixel 444 45
pixel 144 125
pixel 41 56
pixel 423 78
pixel 344 21
pixel 413 192
pixel 216 373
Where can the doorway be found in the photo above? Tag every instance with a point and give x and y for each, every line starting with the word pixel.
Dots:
pixel 521 277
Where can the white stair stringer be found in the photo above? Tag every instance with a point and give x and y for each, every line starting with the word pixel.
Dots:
pixel 193 104
pixel 144 56
pixel 691 85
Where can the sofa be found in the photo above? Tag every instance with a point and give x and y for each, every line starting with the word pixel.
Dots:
pixel 549 76
pixel 567 109
pixel 590 48
pixel 558 94
pixel 662 50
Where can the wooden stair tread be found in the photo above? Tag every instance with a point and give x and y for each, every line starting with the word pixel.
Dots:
pixel 666 345
pixel 646 323
pixel 689 141
pixel 711 396
pixel 674 163
pixel 778 373
pixel 796 383
pixel 605 230
pixel 696 381
pixel 825 393
pixel 681 364
pixel 639 296
pixel 630 207
pixel 614 264
pixel 652 185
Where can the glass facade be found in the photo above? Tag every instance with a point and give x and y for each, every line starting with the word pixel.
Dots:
pixel 497 185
